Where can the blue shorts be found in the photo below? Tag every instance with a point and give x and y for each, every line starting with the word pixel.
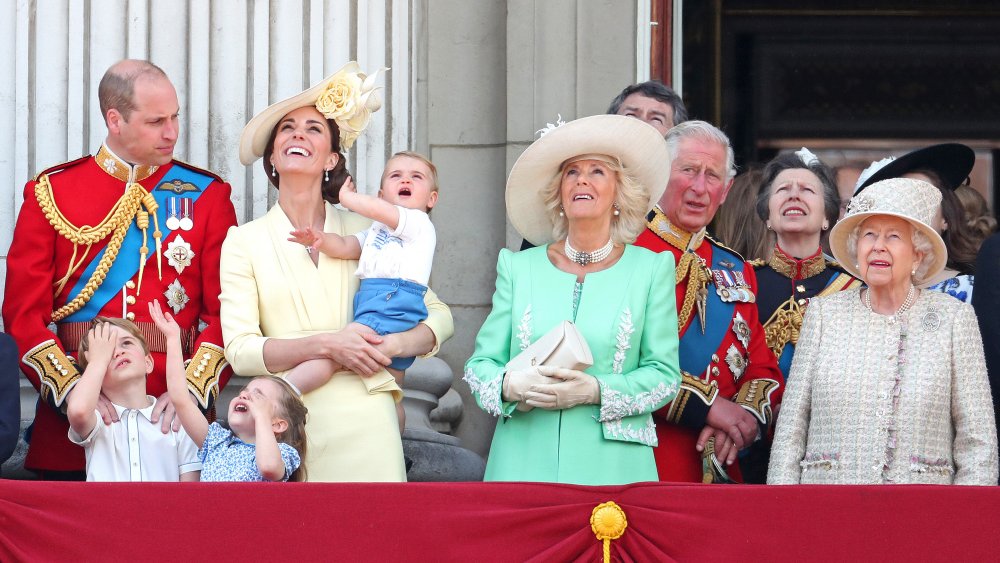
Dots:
pixel 389 306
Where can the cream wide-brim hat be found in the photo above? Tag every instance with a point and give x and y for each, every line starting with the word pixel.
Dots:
pixel 915 201
pixel 640 148
pixel 365 101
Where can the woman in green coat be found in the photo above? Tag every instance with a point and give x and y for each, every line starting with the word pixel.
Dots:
pixel 586 185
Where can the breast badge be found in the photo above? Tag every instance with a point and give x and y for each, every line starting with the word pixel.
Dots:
pixel 179 254
pixel 176 296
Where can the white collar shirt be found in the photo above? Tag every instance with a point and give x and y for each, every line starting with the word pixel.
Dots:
pixel 135 449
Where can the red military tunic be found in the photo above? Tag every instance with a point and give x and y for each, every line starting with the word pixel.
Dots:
pixel 46 270
pixel 729 359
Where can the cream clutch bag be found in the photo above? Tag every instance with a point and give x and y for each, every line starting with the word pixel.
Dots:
pixel 561 347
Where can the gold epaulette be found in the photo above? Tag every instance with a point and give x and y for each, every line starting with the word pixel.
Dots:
pixel 204 371
pixel 198 169
pixel 719 244
pixel 56 372
pixel 60 167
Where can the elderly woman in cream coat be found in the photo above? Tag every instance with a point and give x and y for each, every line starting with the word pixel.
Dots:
pixel 888 383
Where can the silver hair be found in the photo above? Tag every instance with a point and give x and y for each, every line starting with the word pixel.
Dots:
pixel 707 132
pixel 921 244
pixel 630 197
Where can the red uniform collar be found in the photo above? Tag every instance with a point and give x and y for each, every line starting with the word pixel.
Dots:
pixel 794 268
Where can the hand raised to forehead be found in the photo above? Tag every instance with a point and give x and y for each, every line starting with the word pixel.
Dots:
pixel 101 341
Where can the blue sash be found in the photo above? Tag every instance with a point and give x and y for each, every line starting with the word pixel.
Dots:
pixel 126 264
pixel 696 349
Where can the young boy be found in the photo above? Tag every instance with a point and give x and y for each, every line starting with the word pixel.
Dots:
pixel 116 361
pixel 394 258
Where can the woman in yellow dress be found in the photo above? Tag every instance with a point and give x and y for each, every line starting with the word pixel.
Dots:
pixel 283 305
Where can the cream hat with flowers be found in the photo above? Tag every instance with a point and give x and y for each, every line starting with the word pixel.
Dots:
pixel 915 201
pixel 347 96
pixel 637 145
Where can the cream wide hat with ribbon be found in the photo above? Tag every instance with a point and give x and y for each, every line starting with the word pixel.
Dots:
pixel 640 148
pixel 915 201
pixel 347 96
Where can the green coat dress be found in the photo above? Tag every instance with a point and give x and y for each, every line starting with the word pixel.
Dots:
pixel 628 316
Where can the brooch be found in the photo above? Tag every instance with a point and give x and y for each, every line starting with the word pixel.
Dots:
pixel 179 254
pixel 931 321
pixel 176 296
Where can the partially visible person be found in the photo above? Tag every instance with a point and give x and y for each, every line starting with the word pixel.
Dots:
pixel 394 259
pixel 846 176
pixel 945 166
pixel 730 381
pixel 103 235
pixel 978 219
pixel 282 305
pixel 115 361
pixel 986 302
pixel 580 192
pixel 888 384
pixel 652 102
pixel 798 201
pixel 265 433
pixel 736 223
pixel 10 397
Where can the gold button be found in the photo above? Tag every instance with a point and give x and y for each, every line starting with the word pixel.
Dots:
pixel 130 299
pixel 801 288
pixel 715 371
pixel 207 356
pixel 64 372
pixel 130 284
pixel 130 316
pixel 802 301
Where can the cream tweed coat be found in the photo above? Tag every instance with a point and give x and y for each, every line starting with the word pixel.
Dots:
pixel 878 399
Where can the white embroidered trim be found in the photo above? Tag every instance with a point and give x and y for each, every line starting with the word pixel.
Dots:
pixel 619 431
pixel 524 329
pixel 625 330
pixel 488 391
pixel 616 405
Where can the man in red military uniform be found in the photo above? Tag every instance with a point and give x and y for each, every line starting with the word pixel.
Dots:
pixel 730 382
pixel 105 235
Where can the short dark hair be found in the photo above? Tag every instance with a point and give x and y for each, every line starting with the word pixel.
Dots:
pixel 656 90
pixel 117 87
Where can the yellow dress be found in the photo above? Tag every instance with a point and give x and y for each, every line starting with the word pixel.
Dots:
pixel 272 289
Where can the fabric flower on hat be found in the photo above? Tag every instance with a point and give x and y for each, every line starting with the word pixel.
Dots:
pixel 349 99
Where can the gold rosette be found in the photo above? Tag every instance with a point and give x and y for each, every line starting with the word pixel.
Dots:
pixel 608 523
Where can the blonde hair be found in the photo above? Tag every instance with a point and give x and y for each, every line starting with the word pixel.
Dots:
pixel 977 213
pixel 124 324
pixel 416 156
pixel 294 411
pixel 631 198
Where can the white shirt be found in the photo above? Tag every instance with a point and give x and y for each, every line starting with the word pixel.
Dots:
pixel 135 449
pixel 405 253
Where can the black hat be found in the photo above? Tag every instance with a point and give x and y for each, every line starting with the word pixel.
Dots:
pixel 951 161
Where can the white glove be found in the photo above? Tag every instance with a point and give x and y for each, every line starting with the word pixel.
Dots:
pixel 573 388
pixel 517 382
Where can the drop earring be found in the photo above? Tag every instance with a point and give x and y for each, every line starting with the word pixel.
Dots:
pixel 616 211
pixel 561 212
pixel 326 175
pixel 274 173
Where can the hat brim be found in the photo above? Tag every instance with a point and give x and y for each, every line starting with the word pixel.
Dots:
pixel 640 148
pixel 951 161
pixel 842 230
pixel 257 131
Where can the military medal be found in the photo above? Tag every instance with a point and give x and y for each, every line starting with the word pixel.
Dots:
pixel 737 363
pixel 176 296
pixel 187 214
pixel 173 214
pixel 179 254
pixel 742 330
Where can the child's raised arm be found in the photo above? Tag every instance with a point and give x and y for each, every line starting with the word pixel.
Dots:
pixel 193 421
pixel 81 404
pixel 374 208
pixel 331 244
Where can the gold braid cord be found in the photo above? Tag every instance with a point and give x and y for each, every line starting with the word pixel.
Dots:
pixel 690 266
pixel 783 326
pixel 116 222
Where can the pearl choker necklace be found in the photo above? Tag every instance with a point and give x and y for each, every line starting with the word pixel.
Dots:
pixel 907 303
pixel 584 258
